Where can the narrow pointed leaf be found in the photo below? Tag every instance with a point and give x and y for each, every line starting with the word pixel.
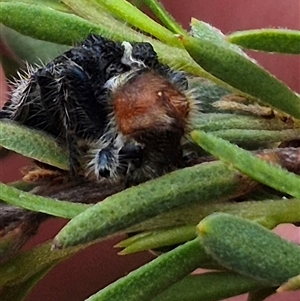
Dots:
pixel 166 19
pixel 268 213
pixel 207 32
pixel 30 19
pixel 55 4
pixel 33 202
pixel 91 10
pixel 259 170
pixel 246 76
pixel 132 15
pixel 149 280
pixel 212 286
pixel 225 121
pixel 157 239
pixel 269 39
pixel 257 137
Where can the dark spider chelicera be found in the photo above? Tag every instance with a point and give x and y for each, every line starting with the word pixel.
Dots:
pixel 130 111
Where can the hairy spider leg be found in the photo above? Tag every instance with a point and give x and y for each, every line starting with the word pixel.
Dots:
pixel 20 103
pixel 67 97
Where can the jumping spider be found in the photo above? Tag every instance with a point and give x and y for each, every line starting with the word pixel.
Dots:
pixel 131 111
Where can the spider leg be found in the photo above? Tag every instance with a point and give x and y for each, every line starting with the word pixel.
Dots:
pixel 60 104
pixel 95 111
pixel 106 162
pixel 21 103
pixel 72 110
pixel 115 159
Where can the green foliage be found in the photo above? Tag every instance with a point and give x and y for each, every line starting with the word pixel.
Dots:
pixel 270 40
pixel 37 145
pixel 264 172
pixel 26 200
pixel 242 245
pixel 155 276
pixel 146 200
pixel 166 211
pixel 211 286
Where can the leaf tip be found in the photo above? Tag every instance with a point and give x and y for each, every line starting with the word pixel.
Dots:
pixel 202 228
pixel 195 135
pixel 56 245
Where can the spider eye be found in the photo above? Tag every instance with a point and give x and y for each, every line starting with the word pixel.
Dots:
pixel 132 152
pixel 79 74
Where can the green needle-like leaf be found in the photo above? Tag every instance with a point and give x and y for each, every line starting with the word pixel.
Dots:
pixel 44 23
pixel 168 21
pixel 268 213
pixel 132 15
pixel 257 137
pixel 149 280
pixel 269 39
pixel 207 32
pixel 203 183
pixel 241 73
pixel 222 121
pixel 212 286
pixel 259 170
pixel 33 202
pixel 92 11
pixel 69 29
pixel 249 249
pixel 54 4
pixel 33 144
pixel 157 239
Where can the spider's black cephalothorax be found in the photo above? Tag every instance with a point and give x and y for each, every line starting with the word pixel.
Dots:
pixel 80 96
